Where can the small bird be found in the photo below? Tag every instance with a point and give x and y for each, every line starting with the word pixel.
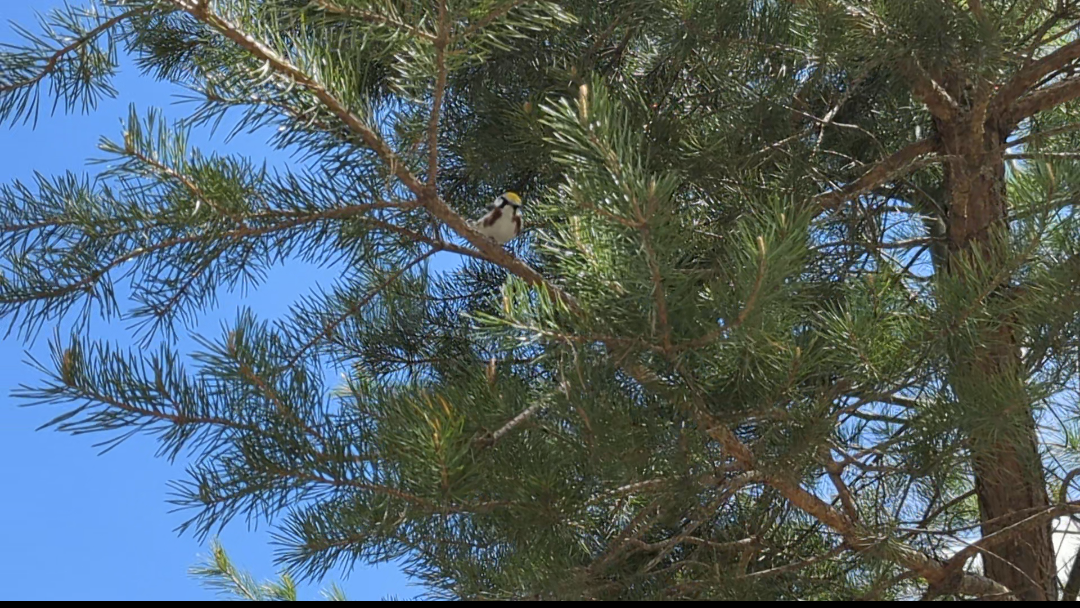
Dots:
pixel 503 221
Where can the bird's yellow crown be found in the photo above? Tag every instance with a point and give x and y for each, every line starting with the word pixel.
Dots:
pixel 513 198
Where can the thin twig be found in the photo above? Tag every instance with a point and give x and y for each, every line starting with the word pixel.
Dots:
pixel 491 439
pixel 794 566
pixel 756 291
pixel 441 40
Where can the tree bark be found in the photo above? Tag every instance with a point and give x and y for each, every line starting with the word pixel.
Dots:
pixel 988 379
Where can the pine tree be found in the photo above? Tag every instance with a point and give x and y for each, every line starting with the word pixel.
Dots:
pixel 795 315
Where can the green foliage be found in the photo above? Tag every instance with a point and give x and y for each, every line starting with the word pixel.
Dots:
pixel 702 368
pixel 220 574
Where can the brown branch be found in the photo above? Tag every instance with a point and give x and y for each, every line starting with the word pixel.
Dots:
pixel 1029 76
pixel 54 60
pixel 985 543
pixel 888 168
pixel 1043 99
pixel 927 90
pixel 923 565
pixel 835 469
pixel 1063 494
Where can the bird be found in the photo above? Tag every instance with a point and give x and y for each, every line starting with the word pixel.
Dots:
pixel 503 222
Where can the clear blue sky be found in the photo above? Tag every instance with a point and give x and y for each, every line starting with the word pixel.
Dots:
pixel 78 526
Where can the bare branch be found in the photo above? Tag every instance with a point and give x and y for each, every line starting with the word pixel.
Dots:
pixel 1043 135
pixel 985 543
pixel 1042 155
pixel 793 567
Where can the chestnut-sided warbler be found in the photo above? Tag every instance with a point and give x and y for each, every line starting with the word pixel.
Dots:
pixel 503 221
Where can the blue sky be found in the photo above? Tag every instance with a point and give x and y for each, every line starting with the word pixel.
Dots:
pixel 76 525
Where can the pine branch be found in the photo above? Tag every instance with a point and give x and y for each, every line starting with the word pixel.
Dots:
pixel 54 60
pixel 332 326
pixel 218 572
pixel 372 17
pixel 431 201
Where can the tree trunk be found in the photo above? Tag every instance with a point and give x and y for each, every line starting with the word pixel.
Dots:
pixel 988 380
